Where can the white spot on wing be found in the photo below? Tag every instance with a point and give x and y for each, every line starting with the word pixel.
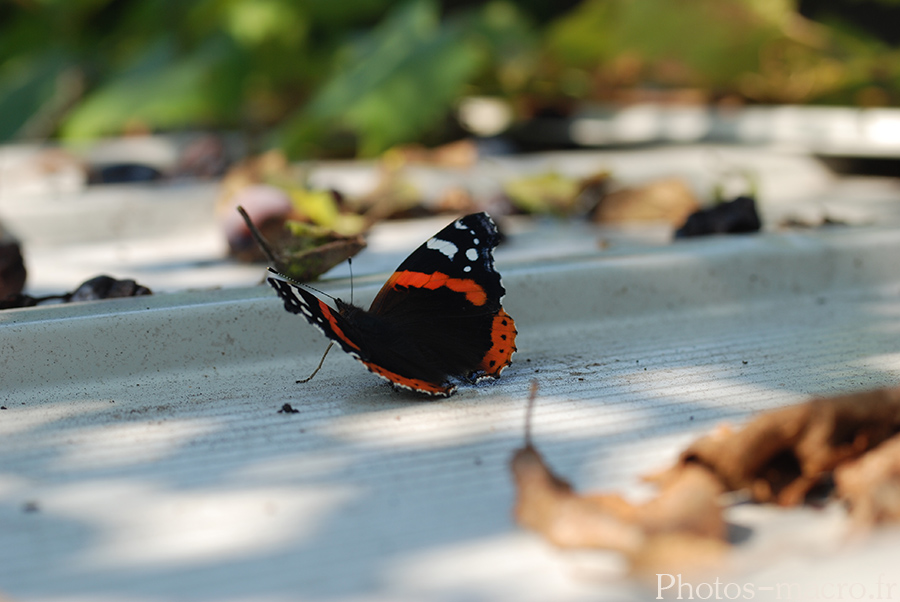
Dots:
pixel 468 268
pixel 459 225
pixel 472 254
pixel 442 246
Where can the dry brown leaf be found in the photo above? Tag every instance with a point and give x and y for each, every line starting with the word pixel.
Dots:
pixel 683 521
pixel 302 253
pixel 547 504
pixel 668 200
pixel 682 553
pixel 460 154
pixel 688 504
pixel 871 485
pixel 781 455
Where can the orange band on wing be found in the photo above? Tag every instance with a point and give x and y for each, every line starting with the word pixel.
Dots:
pixel 329 315
pixel 411 383
pixel 474 293
pixel 503 345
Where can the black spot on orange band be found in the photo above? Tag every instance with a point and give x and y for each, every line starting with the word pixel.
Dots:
pixel 503 345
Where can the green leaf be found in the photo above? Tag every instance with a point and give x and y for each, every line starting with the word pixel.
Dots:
pixel 28 86
pixel 163 92
pixel 396 83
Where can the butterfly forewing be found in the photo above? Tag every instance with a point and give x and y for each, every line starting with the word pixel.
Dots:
pixel 458 258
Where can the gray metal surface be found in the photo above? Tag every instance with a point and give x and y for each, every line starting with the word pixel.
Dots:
pixel 142 457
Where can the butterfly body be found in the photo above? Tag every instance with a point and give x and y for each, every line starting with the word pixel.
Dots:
pixel 437 320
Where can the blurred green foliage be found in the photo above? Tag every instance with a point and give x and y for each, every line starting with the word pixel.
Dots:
pixel 349 77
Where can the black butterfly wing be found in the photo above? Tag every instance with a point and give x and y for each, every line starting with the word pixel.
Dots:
pixel 365 337
pixel 436 319
pixel 443 307
pixel 336 327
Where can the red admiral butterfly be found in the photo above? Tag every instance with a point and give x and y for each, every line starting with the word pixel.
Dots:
pixel 437 319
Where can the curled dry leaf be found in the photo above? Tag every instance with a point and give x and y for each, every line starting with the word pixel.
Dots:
pixel 871 485
pixel 781 455
pixel 682 527
pixel 547 504
pixel 304 251
pixel 777 457
pixel 681 552
pixel 683 522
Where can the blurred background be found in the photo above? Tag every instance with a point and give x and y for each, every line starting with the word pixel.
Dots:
pixel 131 129
pixel 142 458
pixel 356 77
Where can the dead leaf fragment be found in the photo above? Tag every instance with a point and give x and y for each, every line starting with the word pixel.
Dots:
pixel 781 455
pixel 107 287
pixel 683 521
pixel 549 192
pixel 460 154
pixel 668 200
pixel 548 505
pixel 688 504
pixel 303 251
pixel 682 553
pixel 871 485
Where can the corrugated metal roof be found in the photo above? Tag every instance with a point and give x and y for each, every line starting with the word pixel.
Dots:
pixel 143 457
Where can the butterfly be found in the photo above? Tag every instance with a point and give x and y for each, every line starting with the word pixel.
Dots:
pixel 435 322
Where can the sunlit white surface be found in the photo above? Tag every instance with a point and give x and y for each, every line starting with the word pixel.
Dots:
pixel 144 458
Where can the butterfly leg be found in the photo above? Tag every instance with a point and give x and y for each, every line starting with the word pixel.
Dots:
pixel 321 361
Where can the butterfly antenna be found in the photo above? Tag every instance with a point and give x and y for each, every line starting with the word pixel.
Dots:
pixel 529 411
pixel 321 361
pixel 279 276
pixel 323 293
